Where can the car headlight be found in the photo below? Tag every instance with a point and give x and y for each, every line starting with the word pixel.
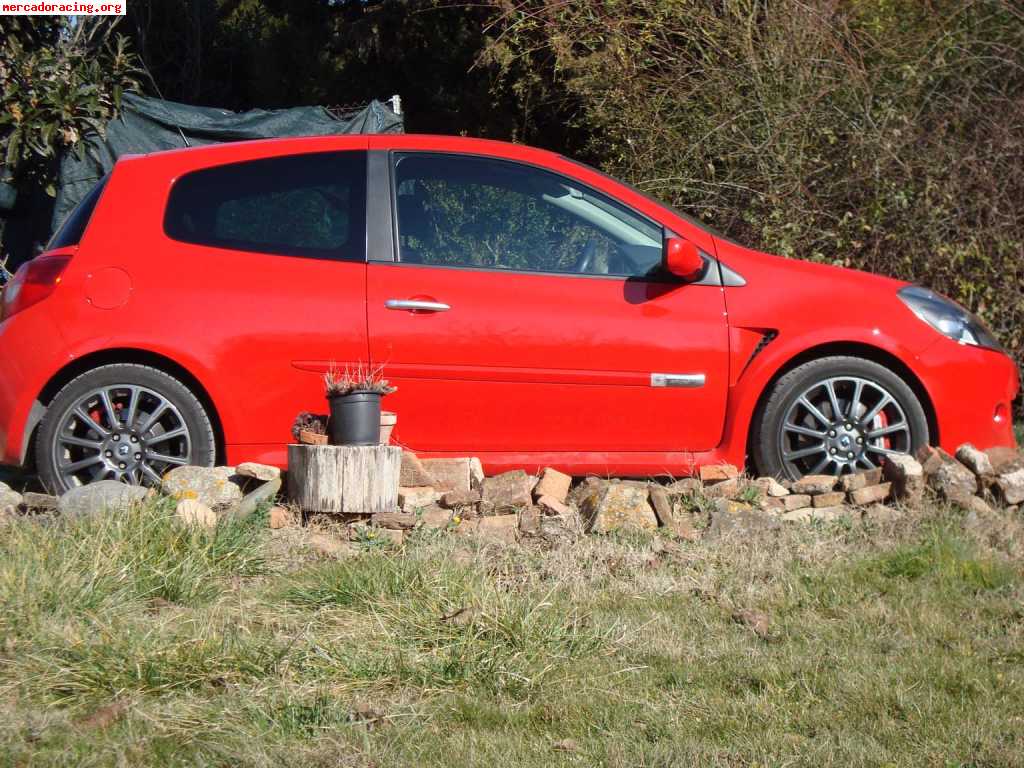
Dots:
pixel 948 318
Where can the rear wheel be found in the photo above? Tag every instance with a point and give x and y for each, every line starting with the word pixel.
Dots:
pixel 837 415
pixel 124 422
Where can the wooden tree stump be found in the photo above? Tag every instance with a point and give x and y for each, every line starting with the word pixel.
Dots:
pixel 344 479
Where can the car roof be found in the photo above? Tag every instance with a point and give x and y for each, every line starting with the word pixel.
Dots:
pixel 282 146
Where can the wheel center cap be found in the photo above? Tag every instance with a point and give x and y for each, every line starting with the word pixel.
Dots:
pixel 123 450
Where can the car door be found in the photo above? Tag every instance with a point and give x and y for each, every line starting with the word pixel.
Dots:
pixel 274 251
pixel 526 312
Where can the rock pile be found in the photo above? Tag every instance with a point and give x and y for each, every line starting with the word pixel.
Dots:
pixel 204 495
pixel 452 494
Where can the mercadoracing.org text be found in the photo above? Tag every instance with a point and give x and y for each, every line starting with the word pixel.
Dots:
pixel 40 8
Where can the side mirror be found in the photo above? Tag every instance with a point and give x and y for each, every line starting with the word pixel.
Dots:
pixel 682 258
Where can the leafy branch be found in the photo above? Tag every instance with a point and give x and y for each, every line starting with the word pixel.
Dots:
pixel 60 80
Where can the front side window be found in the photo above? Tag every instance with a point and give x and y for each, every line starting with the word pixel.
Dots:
pixel 467 211
pixel 311 205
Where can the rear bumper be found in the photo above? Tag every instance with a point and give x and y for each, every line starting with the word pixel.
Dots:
pixel 973 391
pixel 29 355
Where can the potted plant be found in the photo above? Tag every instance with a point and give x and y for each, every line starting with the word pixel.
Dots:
pixel 310 429
pixel 354 399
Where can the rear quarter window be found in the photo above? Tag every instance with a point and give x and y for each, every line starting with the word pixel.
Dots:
pixel 311 205
pixel 71 231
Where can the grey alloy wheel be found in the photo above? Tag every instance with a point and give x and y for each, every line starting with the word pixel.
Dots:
pixel 842 424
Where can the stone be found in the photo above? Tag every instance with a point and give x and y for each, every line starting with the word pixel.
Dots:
pixel 881 514
pixel 1011 487
pixel 974 460
pixel 769 486
pixel 757 622
pixel 449 474
pixel 810 514
pixel 907 477
pixel 661 504
pixel 737 518
pixel 394 520
pixel 262 472
pixel 860 479
pixel 280 517
pixel 814 484
pixel 266 493
pixel 796 501
pixel 1004 459
pixel 455 499
pixel 714 473
pixel 39 502
pixel 930 458
pixel 678 524
pixel 954 482
pixel 410 499
pixel 830 499
pixel 726 489
pixel 550 506
pixel 529 521
pixel 213 486
pixel 685 485
pixel 476 474
pixel 617 506
pixel 435 518
pixel 770 503
pixel 326 545
pixel 9 498
pixel 558 529
pixel 508 490
pixel 103 496
pixel 195 513
pixel 871 494
pixel 498 529
pixel 584 489
pixel 412 473
pixel 553 484
pixel 978 506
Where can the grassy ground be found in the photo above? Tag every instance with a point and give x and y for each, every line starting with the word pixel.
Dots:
pixel 131 641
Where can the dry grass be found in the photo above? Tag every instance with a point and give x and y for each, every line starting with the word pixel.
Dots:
pixel 131 641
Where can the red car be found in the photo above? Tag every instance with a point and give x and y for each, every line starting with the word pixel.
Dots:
pixel 531 310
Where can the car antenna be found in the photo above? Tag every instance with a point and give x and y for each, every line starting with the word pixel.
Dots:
pixel 158 93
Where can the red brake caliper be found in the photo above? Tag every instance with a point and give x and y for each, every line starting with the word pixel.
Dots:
pixel 882 421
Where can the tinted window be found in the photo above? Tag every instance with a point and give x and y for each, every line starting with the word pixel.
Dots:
pixel 301 205
pixel 71 231
pixel 478 212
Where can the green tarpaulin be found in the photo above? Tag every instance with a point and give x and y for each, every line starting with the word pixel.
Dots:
pixel 152 125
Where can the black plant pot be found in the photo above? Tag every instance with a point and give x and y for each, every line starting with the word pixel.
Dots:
pixel 355 418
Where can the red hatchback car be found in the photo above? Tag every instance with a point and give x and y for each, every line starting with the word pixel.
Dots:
pixel 531 310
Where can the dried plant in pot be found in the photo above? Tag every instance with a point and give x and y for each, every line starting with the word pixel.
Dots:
pixel 310 429
pixel 354 398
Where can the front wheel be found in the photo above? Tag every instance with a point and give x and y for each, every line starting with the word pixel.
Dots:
pixel 836 415
pixel 123 422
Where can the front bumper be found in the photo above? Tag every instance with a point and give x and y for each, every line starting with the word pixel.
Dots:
pixel 972 390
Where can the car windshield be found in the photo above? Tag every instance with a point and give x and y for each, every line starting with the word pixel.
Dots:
pixel 647 196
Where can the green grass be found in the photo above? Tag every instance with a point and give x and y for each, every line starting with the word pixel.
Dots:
pixel 894 645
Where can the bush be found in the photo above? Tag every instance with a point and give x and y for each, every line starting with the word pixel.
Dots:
pixel 878 134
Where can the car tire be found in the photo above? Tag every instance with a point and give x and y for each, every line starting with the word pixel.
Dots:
pixel 799 430
pixel 157 423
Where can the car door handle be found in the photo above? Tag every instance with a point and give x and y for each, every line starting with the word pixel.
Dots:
pixel 416 305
